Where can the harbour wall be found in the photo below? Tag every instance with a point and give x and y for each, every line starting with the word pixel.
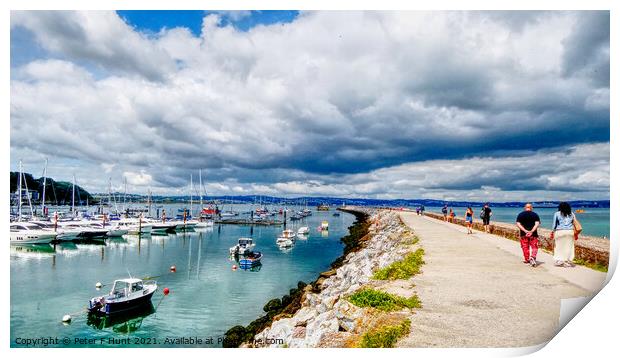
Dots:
pixel 591 249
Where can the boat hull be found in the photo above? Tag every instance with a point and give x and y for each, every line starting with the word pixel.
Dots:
pixel 110 308
pixel 25 238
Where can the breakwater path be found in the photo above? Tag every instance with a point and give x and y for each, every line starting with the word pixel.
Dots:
pixel 476 292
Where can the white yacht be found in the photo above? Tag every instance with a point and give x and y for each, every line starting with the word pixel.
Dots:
pixel 304 230
pixel 28 233
pixel 64 234
pixel 113 230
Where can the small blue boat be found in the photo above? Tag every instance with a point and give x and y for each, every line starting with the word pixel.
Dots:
pixel 251 259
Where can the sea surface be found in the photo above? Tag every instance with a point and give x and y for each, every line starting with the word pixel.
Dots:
pixel 207 297
pixel 595 221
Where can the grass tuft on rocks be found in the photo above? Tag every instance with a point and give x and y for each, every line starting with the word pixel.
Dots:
pixel 385 337
pixel 593 265
pixel 383 301
pixel 403 269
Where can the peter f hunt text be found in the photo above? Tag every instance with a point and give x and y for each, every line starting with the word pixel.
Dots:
pixel 79 341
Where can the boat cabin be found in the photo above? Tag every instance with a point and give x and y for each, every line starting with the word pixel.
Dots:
pixel 245 242
pixel 125 287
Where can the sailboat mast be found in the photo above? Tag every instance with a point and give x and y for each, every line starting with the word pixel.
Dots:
pixel 191 189
pixel 125 195
pixel 73 197
pixel 44 185
pixel 19 189
pixel 200 188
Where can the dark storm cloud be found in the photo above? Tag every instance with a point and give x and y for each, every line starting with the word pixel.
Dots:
pixel 328 98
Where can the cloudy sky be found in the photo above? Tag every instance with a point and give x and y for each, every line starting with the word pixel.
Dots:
pixel 444 105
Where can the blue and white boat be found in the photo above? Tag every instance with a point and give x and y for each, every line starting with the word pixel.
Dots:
pixel 126 294
pixel 252 259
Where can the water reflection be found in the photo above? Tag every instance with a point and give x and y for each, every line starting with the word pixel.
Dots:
pixel 32 250
pixel 124 323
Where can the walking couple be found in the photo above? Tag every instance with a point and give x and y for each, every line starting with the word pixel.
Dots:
pixel 565 231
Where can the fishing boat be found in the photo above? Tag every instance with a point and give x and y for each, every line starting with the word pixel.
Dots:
pixel 28 233
pixel 244 247
pixel 251 259
pixel 324 226
pixel 126 294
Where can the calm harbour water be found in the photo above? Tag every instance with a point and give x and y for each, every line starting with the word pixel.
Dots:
pixel 595 221
pixel 207 297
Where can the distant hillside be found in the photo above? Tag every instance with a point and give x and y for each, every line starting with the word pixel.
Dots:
pixel 313 201
pixel 56 192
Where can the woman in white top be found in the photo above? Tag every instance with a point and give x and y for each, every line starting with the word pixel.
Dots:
pixel 563 234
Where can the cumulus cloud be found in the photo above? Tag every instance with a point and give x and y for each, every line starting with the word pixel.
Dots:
pixel 139 179
pixel 322 105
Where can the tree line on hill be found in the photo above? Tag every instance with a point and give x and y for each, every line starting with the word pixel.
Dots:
pixel 56 192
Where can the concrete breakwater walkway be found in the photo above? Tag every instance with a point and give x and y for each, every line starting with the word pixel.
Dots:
pixel 474 291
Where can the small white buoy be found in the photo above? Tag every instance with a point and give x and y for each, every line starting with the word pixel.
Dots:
pixel 66 318
pixel 98 285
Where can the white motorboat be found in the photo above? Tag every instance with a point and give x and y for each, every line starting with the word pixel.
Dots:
pixel 284 242
pixel 180 225
pixel 112 230
pixel 86 230
pixel 244 247
pixel 304 230
pixel 134 226
pixel 286 239
pixel 202 224
pixel 28 233
pixel 64 234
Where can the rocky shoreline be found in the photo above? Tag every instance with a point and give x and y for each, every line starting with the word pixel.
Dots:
pixel 289 304
pixel 325 317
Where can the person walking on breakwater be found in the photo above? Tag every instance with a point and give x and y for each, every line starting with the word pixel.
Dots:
pixel 485 215
pixel 469 218
pixel 444 211
pixel 528 223
pixel 563 232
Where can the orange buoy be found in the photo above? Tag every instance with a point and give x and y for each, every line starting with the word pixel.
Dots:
pixel 234 267
pixel 166 291
pixel 173 268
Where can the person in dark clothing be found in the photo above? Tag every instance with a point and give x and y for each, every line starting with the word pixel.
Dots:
pixel 444 211
pixel 528 223
pixel 486 216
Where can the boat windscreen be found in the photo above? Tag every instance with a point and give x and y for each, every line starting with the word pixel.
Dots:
pixel 120 288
